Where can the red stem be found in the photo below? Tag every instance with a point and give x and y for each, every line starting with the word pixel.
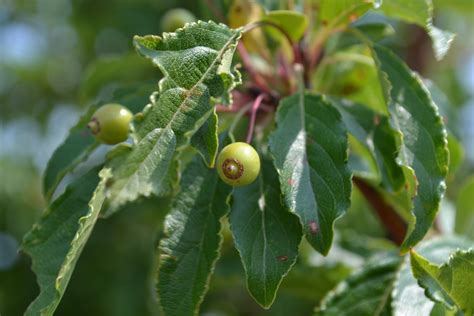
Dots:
pixel 253 116
pixel 394 224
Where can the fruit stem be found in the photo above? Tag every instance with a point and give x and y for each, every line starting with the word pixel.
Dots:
pixel 94 126
pixel 394 224
pixel 253 116
pixel 237 118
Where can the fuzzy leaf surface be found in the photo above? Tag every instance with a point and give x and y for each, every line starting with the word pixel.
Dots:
pixel 449 283
pixel 141 170
pixel 192 240
pixel 56 241
pixel 79 143
pixel 408 298
pixel 196 65
pixel 205 140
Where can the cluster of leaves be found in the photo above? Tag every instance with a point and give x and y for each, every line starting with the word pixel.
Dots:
pixel 381 130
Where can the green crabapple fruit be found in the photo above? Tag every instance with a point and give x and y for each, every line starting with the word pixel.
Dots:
pixel 111 123
pixel 238 164
pixel 175 19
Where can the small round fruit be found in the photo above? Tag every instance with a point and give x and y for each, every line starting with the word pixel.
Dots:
pixel 111 123
pixel 175 19
pixel 238 164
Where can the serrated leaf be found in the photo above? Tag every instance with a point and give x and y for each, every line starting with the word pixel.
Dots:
pixel 266 234
pixel 79 143
pixel 194 60
pixel 294 23
pixel 450 118
pixel 423 145
pixel 420 12
pixel 465 209
pixel 196 65
pixel 374 132
pixel 205 140
pixel 190 249
pixel 450 283
pixel 310 150
pixel 408 297
pixel 365 292
pixel 56 241
pixel 141 170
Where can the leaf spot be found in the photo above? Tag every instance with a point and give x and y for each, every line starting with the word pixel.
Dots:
pixel 353 17
pixel 282 258
pixel 376 120
pixel 313 227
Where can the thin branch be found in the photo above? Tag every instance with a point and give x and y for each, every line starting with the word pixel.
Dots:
pixel 394 224
pixel 253 116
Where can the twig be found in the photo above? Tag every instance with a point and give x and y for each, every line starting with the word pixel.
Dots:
pixel 253 116
pixel 394 224
pixel 237 119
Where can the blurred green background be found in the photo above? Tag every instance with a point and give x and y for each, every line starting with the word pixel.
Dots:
pixel 58 56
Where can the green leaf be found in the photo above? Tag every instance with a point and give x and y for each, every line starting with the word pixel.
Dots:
pixel 292 22
pixel 374 31
pixel 79 143
pixel 196 65
pixel 265 233
pixel 56 241
pixel 141 170
pixel 310 151
pixel 450 283
pixel 205 140
pixel 423 153
pixel 336 13
pixel 420 12
pixel 465 209
pixel 408 297
pixel 365 292
pixel 373 131
pixel 450 118
pixel 190 249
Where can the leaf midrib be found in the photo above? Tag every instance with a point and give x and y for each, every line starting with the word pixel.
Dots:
pixel 190 92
